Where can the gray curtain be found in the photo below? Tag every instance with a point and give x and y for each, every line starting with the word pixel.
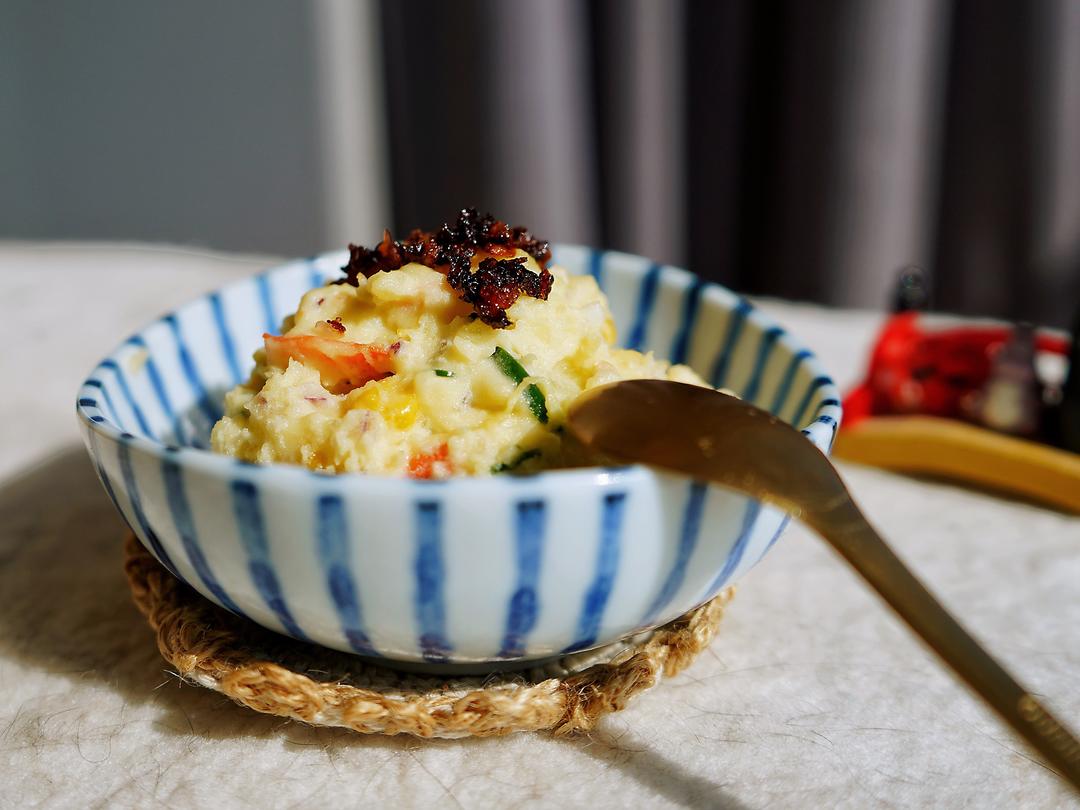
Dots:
pixel 801 149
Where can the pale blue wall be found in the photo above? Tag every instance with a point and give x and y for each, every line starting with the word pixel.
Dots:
pixel 189 122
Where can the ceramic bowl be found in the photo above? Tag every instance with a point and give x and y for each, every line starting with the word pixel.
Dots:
pixel 473 572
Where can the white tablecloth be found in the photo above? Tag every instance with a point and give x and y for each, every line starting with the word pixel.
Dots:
pixel 811 696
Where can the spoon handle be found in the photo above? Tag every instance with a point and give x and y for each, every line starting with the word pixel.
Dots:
pixel 848 531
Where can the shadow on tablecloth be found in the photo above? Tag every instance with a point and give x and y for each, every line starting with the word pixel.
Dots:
pixel 65 606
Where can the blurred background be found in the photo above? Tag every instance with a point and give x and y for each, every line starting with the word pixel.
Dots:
pixel 799 149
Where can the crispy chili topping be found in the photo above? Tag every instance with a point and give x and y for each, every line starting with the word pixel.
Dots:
pixel 336 325
pixel 496 285
pixel 498 280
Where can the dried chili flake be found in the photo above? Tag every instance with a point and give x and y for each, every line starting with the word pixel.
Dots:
pixel 497 281
pixel 425 465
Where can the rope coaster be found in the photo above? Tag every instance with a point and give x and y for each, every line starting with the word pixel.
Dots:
pixel 277 675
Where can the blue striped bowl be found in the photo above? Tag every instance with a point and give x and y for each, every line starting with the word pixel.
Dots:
pixel 465 571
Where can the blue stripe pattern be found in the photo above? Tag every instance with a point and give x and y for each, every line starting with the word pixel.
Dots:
pixel 753 508
pixel 159 386
pixel 829 420
pixel 249 520
pixel 228 346
pixel 734 327
pixel 333 547
pixel 765 348
pixel 783 525
pixel 824 419
pixel 98 384
pixel 126 391
pixel 104 476
pixel 596 267
pixel 429 607
pixel 529 528
pixel 646 299
pixel 132 489
pixel 688 536
pixel 680 346
pixel 266 298
pixel 782 391
pixel 185 527
pixel 607 563
pixel 191 372
pixel 813 388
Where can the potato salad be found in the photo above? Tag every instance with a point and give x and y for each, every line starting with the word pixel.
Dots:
pixel 450 352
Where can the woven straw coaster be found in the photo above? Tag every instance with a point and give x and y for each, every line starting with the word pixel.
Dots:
pixel 276 675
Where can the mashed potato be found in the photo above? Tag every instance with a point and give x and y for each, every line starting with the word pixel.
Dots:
pixel 398 375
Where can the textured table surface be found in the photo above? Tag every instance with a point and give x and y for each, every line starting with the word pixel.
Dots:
pixel 811 696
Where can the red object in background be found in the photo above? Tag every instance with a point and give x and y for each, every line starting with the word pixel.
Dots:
pixel 931 371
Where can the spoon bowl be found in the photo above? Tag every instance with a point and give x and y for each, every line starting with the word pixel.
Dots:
pixel 715 437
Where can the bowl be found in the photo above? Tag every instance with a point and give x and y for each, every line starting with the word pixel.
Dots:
pixel 482 573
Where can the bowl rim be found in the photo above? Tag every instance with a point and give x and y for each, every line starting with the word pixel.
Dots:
pixel 206 460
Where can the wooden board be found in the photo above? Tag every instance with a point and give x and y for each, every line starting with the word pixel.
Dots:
pixel 962 452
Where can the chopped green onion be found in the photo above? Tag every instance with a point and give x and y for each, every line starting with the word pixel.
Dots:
pixel 442 372
pixel 534 397
pixel 513 465
pixel 509 365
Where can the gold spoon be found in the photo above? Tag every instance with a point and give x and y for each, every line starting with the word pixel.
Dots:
pixel 714 437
